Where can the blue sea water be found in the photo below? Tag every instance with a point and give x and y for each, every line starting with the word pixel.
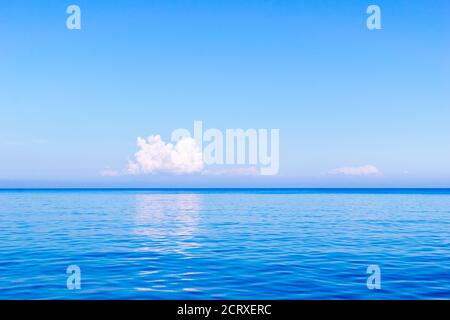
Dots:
pixel 225 244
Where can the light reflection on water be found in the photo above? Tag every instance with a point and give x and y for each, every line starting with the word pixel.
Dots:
pixel 168 218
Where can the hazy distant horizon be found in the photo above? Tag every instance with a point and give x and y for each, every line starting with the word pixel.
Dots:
pixel 214 185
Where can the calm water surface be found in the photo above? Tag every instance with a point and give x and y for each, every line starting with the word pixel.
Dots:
pixel 224 244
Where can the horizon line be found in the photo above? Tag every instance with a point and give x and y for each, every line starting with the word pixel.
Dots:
pixel 225 188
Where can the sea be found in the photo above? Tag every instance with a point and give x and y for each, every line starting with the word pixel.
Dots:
pixel 225 244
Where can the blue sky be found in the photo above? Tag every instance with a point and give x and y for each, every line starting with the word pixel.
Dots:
pixel 73 102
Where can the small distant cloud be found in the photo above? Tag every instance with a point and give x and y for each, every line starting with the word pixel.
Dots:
pixel 367 170
pixel 247 171
pixel 109 173
pixel 155 155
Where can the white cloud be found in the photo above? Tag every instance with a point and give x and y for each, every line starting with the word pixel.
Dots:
pixel 155 155
pixel 243 171
pixel 109 173
pixel 367 170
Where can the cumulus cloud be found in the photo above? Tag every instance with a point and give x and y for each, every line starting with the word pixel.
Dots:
pixel 155 155
pixel 367 170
